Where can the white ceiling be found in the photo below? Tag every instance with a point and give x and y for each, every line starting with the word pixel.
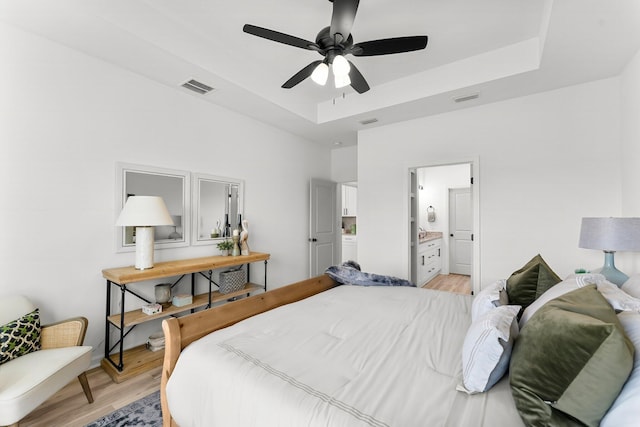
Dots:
pixel 497 48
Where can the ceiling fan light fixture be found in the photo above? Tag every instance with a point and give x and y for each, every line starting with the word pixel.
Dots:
pixel 341 66
pixel 320 74
pixel 341 80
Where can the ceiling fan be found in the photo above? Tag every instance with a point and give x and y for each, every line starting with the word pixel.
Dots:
pixel 336 41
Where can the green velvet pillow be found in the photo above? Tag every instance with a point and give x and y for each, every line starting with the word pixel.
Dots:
pixel 527 284
pixel 570 361
pixel 20 337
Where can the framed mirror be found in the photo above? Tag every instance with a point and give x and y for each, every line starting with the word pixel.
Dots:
pixel 218 205
pixel 174 188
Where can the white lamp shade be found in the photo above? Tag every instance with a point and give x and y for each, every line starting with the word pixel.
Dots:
pixel 610 234
pixel 144 211
pixel 320 74
pixel 341 66
pixel 342 81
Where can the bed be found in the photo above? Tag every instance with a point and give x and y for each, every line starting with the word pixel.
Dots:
pixel 317 354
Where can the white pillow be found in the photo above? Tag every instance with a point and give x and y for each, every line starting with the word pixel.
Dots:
pixel 571 283
pixel 632 286
pixel 625 411
pixel 486 351
pixel 619 299
pixel 489 298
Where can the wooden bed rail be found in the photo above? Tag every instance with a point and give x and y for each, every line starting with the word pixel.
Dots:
pixel 182 331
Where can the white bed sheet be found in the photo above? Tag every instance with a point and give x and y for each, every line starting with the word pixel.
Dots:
pixel 350 356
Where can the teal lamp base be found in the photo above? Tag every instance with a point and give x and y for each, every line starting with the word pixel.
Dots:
pixel 610 272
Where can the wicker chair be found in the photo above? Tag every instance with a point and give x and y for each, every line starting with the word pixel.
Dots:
pixel 29 380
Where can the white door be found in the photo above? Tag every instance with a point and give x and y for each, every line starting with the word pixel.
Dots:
pixel 324 248
pixel 460 231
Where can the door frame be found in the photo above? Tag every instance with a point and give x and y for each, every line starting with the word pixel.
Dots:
pixel 474 163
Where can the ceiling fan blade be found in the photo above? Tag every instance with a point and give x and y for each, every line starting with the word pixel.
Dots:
pixel 301 75
pixel 344 13
pixel 357 80
pixel 280 37
pixel 389 46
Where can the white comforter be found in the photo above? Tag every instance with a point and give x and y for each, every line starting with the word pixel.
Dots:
pixel 350 356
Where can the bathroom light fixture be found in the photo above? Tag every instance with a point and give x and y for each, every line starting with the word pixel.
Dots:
pixel 611 235
pixel 144 212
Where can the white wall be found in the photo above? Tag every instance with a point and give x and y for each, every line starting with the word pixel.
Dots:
pixel 344 164
pixel 66 119
pixel 545 161
pixel 630 100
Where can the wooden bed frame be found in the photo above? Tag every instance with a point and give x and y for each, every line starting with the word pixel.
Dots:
pixel 182 331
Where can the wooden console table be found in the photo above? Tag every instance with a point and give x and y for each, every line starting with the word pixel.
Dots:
pixel 138 359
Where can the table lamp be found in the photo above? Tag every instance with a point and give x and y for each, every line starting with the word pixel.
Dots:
pixel 144 212
pixel 611 235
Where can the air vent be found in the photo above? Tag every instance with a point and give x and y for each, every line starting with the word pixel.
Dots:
pixel 197 87
pixel 368 121
pixel 467 97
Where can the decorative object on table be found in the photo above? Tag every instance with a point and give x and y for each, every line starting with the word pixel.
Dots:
pixel 151 308
pixel 225 246
pixel 177 222
pixel 244 237
pixel 216 231
pixel 226 230
pixel 236 239
pixel 611 235
pixel 144 212
pixel 431 214
pixel 232 280
pixel 156 341
pixel 163 294
pixel 182 299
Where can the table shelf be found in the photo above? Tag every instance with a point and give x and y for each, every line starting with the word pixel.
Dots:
pixel 135 317
pixel 123 276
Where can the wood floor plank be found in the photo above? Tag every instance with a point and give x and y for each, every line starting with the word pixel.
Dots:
pixel 69 406
pixel 456 283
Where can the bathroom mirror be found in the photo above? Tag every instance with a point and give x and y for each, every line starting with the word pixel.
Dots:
pixel 217 201
pixel 174 188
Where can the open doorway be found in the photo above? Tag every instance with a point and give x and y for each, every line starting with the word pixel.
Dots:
pixel 442 218
pixel 349 221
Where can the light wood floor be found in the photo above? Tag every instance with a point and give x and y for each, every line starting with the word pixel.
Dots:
pixel 456 283
pixel 69 407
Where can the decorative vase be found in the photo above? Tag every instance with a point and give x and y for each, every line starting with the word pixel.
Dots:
pixel 244 236
pixel 163 293
pixel 236 248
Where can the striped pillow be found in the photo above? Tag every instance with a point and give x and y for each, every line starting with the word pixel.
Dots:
pixel 487 348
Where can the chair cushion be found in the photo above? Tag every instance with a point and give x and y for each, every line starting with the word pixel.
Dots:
pixel 29 380
pixel 20 336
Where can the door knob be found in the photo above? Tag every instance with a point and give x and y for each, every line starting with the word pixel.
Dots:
pixel 451 234
pixel 313 240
